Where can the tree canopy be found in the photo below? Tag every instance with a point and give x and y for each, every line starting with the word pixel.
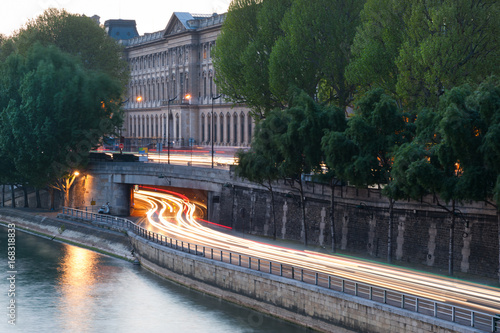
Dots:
pixel 417 50
pixel 241 56
pixel 77 35
pixel 52 112
pixel 266 47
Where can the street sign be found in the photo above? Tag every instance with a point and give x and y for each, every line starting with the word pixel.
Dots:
pixel 121 145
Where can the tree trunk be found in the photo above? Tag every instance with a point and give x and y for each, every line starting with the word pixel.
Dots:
pixel 332 213
pixel 498 220
pixel 303 206
pixel 232 207
pixel 26 203
pixel 389 232
pixel 38 200
pixel 65 195
pixel 52 203
pixel 273 211
pixel 13 196
pixel 452 239
pixel 252 211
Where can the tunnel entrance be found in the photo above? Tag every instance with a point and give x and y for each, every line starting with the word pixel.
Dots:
pixel 197 196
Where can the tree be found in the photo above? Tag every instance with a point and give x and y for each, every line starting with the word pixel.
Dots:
pixel 300 145
pixel 447 157
pixel 486 99
pixel 77 35
pixel 241 55
pixel 52 112
pixel 362 153
pixel 376 46
pixel 315 49
pixel 260 163
pixel 447 44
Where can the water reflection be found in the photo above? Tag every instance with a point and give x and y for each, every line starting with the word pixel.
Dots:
pixel 62 288
pixel 77 276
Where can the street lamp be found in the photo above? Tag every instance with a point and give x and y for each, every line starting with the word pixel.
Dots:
pixel 212 136
pixel 188 97
pixel 165 127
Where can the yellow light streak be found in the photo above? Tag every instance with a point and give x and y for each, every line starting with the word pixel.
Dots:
pixel 184 227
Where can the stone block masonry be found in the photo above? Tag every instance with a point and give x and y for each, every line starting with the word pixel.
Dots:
pixel 315 307
pixel 420 231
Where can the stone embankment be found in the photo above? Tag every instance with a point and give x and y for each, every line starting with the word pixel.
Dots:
pixel 46 224
pixel 308 305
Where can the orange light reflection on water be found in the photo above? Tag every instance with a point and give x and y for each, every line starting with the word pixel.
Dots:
pixel 76 281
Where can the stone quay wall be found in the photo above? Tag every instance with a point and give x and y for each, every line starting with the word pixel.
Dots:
pixel 420 231
pixel 311 306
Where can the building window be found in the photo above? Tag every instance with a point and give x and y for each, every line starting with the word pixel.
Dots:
pixel 204 86
pixel 203 139
pixel 143 129
pixel 211 91
pixel 156 124
pixel 249 128
pixel 209 130
pixel 177 132
pixel 215 128
pixel 235 128
pixel 221 128
pixel 228 126
pixel 242 125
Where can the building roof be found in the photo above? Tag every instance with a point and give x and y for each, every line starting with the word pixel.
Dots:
pixel 182 21
pixel 179 22
pixel 121 29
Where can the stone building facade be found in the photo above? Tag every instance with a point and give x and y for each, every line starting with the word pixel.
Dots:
pixel 172 94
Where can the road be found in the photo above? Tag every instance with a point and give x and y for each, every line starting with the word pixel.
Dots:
pixel 223 157
pixel 174 215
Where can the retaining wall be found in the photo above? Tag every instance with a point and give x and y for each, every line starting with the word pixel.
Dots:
pixel 85 235
pixel 308 305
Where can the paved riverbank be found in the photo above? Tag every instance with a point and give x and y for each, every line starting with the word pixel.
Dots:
pixel 46 224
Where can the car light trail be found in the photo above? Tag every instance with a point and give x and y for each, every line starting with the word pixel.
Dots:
pixel 175 215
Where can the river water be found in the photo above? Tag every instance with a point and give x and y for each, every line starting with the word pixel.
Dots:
pixel 63 288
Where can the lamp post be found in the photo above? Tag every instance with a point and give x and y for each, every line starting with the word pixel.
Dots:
pixel 165 125
pixel 212 136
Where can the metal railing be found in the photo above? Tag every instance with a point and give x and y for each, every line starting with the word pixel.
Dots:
pixel 460 315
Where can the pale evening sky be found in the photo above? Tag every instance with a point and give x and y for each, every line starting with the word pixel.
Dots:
pixel 150 15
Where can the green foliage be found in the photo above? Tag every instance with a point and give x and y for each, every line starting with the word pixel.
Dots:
pixel 447 44
pixel 52 112
pixel 362 153
pixel 315 49
pixel 455 152
pixel 417 50
pixel 241 55
pixel 260 163
pixel 267 47
pixel 76 35
pixel 376 46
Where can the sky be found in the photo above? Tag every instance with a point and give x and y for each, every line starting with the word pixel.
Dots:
pixel 150 15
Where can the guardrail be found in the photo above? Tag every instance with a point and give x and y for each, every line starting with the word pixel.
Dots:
pixel 460 315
